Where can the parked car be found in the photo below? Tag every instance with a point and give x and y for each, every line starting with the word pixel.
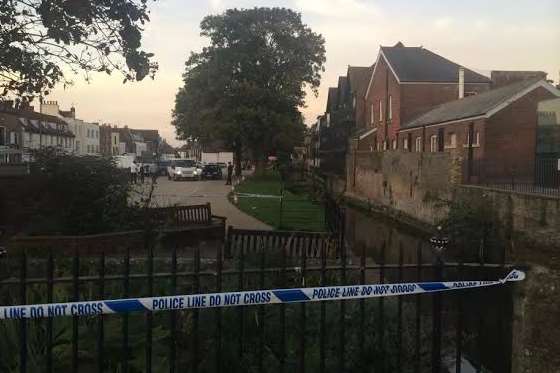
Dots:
pixel 184 169
pixel 212 171
pixel 150 168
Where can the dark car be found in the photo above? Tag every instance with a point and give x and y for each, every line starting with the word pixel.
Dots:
pixel 211 171
pixel 162 167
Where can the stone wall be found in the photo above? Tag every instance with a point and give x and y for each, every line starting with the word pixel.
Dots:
pixel 413 184
pixel 532 225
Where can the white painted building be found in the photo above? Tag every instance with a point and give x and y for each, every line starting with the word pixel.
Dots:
pixel 87 134
pixel 24 130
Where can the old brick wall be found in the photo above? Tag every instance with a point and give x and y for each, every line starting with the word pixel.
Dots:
pixel 533 241
pixel 503 145
pixel 413 184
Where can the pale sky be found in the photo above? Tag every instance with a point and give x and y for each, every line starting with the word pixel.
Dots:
pixel 480 34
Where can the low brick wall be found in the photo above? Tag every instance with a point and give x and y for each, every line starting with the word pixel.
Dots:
pixel 117 243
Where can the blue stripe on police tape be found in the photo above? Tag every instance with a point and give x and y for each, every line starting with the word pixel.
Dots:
pixel 92 308
pixel 291 295
pixel 432 286
pixel 125 305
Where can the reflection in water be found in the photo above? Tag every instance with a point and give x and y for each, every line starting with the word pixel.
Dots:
pixel 484 316
pixel 382 239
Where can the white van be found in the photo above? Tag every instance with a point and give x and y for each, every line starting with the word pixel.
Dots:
pixel 184 169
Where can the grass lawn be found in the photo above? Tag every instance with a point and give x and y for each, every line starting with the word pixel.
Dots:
pixel 294 212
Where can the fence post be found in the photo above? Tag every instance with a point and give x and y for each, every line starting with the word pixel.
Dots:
pixel 439 244
pixel 281 205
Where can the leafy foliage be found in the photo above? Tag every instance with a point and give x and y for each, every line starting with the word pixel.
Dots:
pixel 246 87
pixel 78 195
pixel 474 229
pixel 40 38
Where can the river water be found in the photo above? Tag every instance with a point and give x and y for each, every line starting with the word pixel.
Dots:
pixel 484 316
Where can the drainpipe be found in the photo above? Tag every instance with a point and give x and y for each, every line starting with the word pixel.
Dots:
pixel 461 82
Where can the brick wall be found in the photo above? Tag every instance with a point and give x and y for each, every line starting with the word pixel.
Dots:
pixel 384 84
pixel 460 130
pixel 514 149
pixel 408 100
pixel 419 98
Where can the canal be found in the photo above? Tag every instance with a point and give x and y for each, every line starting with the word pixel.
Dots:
pixel 476 324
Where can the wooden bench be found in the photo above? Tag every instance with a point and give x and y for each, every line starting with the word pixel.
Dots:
pixel 181 216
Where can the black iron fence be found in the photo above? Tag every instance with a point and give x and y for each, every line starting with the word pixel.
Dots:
pixel 540 177
pixel 461 332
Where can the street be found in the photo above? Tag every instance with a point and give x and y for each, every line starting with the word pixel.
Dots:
pixel 168 193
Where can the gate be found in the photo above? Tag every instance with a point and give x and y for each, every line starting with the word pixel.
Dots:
pixel 416 333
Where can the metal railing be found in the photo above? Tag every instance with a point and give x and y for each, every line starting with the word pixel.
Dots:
pixel 387 334
pixel 542 177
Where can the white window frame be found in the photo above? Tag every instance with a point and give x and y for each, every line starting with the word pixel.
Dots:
pixel 433 143
pixel 418 144
pixel 476 142
pixel 390 113
pixel 395 144
pixel 452 141
pixel 405 143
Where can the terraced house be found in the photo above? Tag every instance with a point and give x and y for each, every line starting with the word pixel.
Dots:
pixel 23 130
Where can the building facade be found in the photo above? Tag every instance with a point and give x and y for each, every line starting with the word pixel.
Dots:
pixel 87 136
pixel 22 131
pixel 503 126
pixel 408 81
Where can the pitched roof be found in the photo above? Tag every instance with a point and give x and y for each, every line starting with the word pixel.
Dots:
pixel 417 64
pixel 358 79
pixel 35 122
pixel 147 135
pixel 342 89
pixel 482 104
pixel 332 99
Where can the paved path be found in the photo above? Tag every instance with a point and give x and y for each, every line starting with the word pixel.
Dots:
pixel 169 193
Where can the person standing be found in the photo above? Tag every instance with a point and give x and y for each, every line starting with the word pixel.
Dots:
pixel 133 173
pixel 229 173
pixel 142 174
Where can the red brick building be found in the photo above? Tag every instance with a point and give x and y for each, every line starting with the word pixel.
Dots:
pixel 408 81
pixel 502 124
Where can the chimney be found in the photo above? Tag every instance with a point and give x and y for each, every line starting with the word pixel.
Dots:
pixel 461 82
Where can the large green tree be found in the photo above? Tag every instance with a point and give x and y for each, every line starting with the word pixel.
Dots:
pixel 247 86
pixel 42 41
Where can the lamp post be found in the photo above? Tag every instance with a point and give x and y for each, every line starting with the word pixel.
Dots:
pixel 439 246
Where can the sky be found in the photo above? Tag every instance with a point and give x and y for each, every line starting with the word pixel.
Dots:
pixel 479 34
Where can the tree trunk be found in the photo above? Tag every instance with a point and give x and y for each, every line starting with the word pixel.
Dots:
pixel 260 167
pixel 237 160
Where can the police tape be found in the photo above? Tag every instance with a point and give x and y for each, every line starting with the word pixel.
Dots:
pixel 243 298
pixel 252 195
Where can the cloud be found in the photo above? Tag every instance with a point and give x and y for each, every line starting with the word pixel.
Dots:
pixel 217 5
pixel 443 23
pixel 338 9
